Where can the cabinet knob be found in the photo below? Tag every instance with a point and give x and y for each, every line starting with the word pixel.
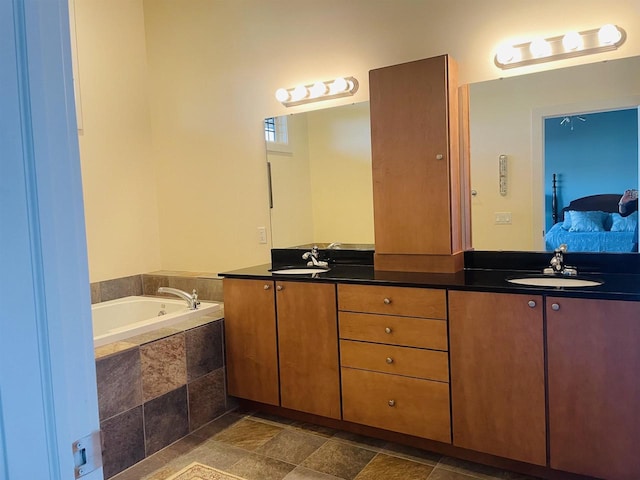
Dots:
pixel 532 303
pixel 279 288
pixel 392 403
pixel 439 156
pixel 387 301
pixel 389 360
pixel 267 287
pixel 387 330
pixel 555 307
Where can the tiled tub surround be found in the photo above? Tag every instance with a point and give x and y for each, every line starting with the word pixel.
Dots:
pixel 155 388
pixel 209 287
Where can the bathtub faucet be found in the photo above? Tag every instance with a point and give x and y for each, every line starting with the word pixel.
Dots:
pixel 191 299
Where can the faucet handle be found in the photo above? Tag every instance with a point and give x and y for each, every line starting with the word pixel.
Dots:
pixel 194 297
pixel 562 248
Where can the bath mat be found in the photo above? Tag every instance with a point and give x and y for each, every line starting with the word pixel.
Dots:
pixel 197 471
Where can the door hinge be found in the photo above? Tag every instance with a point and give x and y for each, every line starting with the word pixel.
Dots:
pixel 87 454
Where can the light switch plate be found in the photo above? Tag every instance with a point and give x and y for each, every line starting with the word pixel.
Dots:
pixel 262 235
pixel 503 218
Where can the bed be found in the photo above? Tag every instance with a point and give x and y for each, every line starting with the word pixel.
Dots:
pixel 591 224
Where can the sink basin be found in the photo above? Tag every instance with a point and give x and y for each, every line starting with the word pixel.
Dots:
pixel 554 282
pixel 299 271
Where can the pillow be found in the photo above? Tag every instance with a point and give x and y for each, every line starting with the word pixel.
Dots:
pixel 566 224
pixel 624 224
pixel 587 221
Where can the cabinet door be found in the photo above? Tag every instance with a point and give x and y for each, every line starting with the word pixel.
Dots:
pixel 250 340
pixel 497 374
pixel 410 157
pixel 594 387
pixel 308 346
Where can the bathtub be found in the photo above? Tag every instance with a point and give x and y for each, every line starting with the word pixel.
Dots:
pixel 125 317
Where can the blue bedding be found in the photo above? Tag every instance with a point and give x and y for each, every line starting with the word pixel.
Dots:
pixel 603 241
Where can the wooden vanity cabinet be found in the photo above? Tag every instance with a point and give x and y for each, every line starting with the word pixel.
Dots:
pixel 497 374
pixel 308 347
pixel 418 176
pixel 282 344
pixel 594 387
pixel 394 362
pixel 250 340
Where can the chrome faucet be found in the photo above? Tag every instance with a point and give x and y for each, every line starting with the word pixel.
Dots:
pixel 557 263
pixel 312 258
pixel 335 245
pixel 191 299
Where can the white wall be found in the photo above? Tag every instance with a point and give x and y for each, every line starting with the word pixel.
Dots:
pixel 214 65
pixel 118 172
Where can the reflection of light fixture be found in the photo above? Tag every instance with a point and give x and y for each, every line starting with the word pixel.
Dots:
pixel 340 87
pixel 573 44
pixel 569 120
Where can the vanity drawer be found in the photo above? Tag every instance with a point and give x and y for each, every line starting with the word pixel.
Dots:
pixel 412 362
pixel 394 330
pixel 412 302
pixel 400 404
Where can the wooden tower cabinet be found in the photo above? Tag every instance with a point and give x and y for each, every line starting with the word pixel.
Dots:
pixel 419 180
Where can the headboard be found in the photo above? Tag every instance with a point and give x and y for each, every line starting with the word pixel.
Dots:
pixel 605 202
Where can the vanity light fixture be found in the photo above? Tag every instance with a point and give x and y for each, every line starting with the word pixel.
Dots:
pixel 572 44
pixel 340 87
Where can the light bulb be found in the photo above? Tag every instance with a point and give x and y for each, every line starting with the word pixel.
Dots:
pixel 319 89
pixel 339 85
pixel 507 54
pixel 299 93
pixel 540 48
pixel 572 41
pixel 282 95
pixel 609 34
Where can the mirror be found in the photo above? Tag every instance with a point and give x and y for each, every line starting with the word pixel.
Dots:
pixel 521 118
pixel 320 178
pixel 321 182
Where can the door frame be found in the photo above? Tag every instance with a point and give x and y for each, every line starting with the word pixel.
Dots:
pixel 537 149
pixel 48 394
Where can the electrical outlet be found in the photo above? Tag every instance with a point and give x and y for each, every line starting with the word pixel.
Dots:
pixel 503 218
pixel 262 234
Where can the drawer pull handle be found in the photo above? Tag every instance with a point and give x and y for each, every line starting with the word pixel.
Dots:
pixel 267 287
pixel 531 303
pixel 392 403
pixel 387 330
pixel 555 307
pixel 439 156
pixel 387 301
pixel 279 288
pixel 389 360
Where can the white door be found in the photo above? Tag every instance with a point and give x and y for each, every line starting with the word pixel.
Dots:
pixel 47 375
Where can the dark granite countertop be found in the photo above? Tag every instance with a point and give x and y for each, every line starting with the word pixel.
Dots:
pixel 616 286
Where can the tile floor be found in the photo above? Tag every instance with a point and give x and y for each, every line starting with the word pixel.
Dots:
pixel 264 447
